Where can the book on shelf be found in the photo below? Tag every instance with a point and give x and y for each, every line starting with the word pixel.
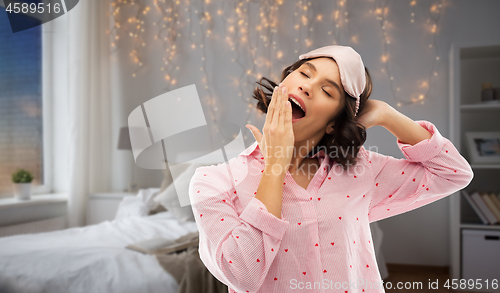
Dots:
pixel 484 206
pixel 160 245
pixel 495 199
pixel 489 202
pixel 475 207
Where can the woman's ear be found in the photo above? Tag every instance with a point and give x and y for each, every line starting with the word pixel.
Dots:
pixel 330 127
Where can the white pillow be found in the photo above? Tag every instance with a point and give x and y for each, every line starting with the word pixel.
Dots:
pixel 168 198
pixel 147 196
pixel 137 205
pixel 131 206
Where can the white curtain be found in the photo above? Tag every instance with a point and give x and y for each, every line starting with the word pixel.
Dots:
pixel 89 107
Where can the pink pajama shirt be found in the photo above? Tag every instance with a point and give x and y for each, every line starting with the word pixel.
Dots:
pixel 322 242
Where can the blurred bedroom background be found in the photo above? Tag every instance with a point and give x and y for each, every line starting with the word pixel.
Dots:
pixel 68 86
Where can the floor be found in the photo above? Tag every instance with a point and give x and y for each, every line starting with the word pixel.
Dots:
pixel 413 276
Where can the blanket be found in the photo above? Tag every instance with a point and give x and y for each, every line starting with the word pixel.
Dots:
pixel 190 272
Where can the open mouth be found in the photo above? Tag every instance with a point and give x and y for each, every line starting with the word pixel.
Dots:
pixel 297 112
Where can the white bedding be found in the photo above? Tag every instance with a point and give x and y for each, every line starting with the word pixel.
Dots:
pixel 91 258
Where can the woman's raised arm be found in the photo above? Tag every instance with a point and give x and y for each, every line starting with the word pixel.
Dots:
pixel 238 249
pixel 433 169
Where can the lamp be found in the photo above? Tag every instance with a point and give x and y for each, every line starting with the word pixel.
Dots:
pixel 124 144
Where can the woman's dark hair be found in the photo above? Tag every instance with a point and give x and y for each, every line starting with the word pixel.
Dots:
pixel 349 135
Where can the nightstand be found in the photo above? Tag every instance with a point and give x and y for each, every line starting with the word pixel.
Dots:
pixel 103 206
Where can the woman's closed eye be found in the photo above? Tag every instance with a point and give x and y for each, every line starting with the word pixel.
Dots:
pixel 308 77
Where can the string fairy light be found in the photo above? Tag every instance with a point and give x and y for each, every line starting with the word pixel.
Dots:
pixel 435 10
pixel 167 26
pixel 175 20
pixel 206 19
pixel 340 18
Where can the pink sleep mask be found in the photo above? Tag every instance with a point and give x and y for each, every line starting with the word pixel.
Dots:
pixel 351 68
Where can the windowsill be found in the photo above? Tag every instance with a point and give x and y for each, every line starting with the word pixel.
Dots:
pixel 37 199
pixel 40 207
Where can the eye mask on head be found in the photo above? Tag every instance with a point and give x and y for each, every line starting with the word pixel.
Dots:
pixel 351 67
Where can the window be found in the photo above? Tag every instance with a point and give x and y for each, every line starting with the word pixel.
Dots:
pixel 21 123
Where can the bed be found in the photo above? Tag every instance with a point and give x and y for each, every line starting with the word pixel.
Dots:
pixel 90 259
pixel 94 258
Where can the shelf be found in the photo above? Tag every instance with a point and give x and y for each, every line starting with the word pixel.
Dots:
pixel 485 166
pixel 480 52
pixel 37 199
pixel 480 226
pixel 469 67
pixel 480 107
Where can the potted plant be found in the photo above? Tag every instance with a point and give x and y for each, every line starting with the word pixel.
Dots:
pixel 22 183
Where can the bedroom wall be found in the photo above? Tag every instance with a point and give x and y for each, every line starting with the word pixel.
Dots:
pixel 417 237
